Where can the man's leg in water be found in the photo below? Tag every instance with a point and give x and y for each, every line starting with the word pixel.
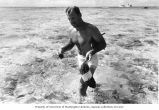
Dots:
pixel 83 87
pixel 93 63
pixel 92 82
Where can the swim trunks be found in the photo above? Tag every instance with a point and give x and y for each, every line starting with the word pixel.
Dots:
pixel 92 63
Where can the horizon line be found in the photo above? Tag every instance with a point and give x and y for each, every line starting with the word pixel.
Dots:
pixel 78 6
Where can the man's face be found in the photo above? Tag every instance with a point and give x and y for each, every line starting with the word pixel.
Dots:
pixel 74 19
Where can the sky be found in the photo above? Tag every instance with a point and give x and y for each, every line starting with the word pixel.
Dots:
pixel 82 3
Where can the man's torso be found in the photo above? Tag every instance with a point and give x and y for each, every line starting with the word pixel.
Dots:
pixel 82 39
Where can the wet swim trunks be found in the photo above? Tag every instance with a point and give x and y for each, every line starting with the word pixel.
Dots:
pixel 92 63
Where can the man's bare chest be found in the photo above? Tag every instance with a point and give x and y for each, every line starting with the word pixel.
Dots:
pixel 81 37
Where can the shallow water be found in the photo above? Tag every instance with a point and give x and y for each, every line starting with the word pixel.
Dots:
pixel 31 72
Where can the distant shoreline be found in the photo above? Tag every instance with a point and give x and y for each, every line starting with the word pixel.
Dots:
pixel 144 7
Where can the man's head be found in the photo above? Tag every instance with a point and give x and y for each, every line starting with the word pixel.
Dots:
pixel 74 16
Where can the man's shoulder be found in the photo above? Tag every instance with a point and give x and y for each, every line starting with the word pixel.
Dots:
pixel 91 27
pixel 71 30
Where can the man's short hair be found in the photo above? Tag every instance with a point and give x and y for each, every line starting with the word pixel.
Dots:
pixel 76 9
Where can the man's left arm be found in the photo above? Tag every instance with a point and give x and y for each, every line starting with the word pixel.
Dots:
pixel 98 42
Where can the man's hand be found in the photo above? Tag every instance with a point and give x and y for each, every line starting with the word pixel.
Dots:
pixel 89 55
pixel 60 54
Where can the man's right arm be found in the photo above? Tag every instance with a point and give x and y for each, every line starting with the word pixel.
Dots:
pixel 68 46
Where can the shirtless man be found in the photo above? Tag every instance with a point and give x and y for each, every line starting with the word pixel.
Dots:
pixel 88 40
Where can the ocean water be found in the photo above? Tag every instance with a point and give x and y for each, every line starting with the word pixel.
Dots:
pixel 31 72
pixel 50 21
